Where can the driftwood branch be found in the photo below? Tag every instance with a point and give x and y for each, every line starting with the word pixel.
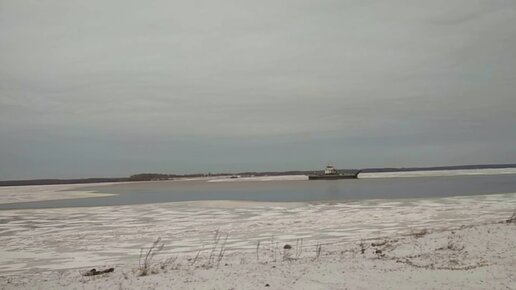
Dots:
pixel 94 272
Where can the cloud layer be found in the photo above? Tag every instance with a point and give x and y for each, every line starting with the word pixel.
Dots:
pixel 117 87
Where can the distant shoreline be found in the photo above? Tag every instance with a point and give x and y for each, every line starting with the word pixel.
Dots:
pixel 157 176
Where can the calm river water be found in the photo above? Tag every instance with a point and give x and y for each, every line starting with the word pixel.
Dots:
pixel 285 190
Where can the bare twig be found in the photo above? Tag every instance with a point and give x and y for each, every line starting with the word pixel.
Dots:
pixel 94 272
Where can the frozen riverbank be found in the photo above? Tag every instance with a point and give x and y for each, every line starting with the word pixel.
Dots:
pixel 441 242
pixel 480 256
pixel 61 238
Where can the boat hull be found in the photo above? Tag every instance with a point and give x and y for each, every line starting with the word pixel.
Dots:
pixel 332 177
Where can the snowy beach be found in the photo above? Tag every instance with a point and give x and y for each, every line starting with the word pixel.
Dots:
pixel 50 248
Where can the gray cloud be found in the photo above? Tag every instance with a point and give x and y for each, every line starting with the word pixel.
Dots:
pixel 117 87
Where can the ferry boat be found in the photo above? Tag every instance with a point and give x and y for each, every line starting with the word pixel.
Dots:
pixel 331 173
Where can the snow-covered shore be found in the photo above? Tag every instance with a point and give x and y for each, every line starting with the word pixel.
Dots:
pixel 425 243
pixel 13 194
pixel 429 173
pixel 480 256
pixel 48 248
pixel 397 174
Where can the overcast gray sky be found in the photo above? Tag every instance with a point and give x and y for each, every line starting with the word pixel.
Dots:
pixel 112 88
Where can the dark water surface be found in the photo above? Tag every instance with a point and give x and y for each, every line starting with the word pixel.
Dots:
pixel 285 191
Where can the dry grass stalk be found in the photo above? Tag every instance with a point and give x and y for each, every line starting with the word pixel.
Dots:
pixel 197 255
pixel 512 219
pixel 168 263
pixel 318 251
pixel 299 248
pixel 145 260
pixel 219 245
pixel 419 234
pixel 258 252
